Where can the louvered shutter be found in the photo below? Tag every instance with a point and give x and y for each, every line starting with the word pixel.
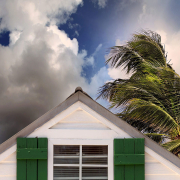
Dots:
pixel 129 159
pixel 31 158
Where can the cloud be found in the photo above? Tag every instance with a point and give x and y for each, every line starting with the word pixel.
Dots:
pixel 118 42
pixel 171 42
pixel 101 3
pixel 21 14
pixel 42 65
pixel 97 49
pixel 116 73
pixel 96 81
pixel 143 14
pixel 90 59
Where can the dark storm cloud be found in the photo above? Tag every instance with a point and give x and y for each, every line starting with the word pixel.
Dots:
pixel 37 69
pixel 38 74
pixel 33 86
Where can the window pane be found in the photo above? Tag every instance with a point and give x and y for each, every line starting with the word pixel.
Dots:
pixel 66 172
pixel 94 173
pixel 96 160
pixel 94 150
pixel 66 154
pixel 66 160
pixel 66 150
pixel 94 155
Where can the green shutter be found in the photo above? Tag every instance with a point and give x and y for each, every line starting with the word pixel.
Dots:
pixel 129 159
pixel 31 158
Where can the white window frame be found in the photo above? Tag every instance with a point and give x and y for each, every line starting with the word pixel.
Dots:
pixel 52 142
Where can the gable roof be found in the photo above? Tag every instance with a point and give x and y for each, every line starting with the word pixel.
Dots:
pixel 80 95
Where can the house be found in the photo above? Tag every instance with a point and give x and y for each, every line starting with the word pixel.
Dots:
pixel 80 139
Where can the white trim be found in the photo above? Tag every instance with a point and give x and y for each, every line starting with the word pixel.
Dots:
pixel 59 117
pixel 80 163
pixel 164 161
pixel 70 110
pixel 111 160
pixel 50 159
pixel 83 178
pixel 66 157
pixel 73 165
pixel 80 142
pixel 75 133
pixel 103 120
pixel 8 152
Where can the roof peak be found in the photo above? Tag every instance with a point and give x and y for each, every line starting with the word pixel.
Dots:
pixel 78 89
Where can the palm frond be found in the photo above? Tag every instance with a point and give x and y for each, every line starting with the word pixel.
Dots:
pixel 150 99
pixel 173 146
pixel 156 136
pixel 145 46
pixel 145 111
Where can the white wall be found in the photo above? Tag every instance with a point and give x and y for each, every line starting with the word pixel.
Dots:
pixel 8 168
pixel 77 123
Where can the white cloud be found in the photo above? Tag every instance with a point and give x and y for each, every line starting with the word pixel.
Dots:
pixel 143 14
pixel 101 3
pixel 23 14
pixel 96 81
pixel 90 60
pixel 118 42
pixel 14 36
pixel 76 33
pixel 163 35
pixel 172 44
pixel 117 73
pixel 97 49
pixel 42 65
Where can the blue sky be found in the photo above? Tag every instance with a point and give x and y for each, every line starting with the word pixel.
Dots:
pixel 48 48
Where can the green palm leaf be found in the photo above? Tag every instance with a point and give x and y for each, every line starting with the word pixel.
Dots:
pixel 156 136
pixel 150 98
pixel 173 146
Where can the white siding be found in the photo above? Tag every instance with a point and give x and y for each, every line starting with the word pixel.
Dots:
pixel 80 120
pixel 154 170
pixel 8 178
pixel 162 177
pixel 84 124
pixel 8 168
pixel 157 168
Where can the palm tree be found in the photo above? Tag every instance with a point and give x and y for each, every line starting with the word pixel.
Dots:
pixel 150 98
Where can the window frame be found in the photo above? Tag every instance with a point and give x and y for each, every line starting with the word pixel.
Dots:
pixel 52 142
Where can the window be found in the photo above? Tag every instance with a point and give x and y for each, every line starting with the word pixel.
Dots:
pixel 81 162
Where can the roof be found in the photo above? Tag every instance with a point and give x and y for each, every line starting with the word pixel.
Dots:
pixel 80 95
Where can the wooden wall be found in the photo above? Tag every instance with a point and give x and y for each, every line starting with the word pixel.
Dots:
pixel 84 124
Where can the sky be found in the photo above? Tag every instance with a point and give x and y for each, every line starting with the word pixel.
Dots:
pixel 48 48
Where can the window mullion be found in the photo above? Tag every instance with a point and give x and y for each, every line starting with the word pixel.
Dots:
pixel 80 163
